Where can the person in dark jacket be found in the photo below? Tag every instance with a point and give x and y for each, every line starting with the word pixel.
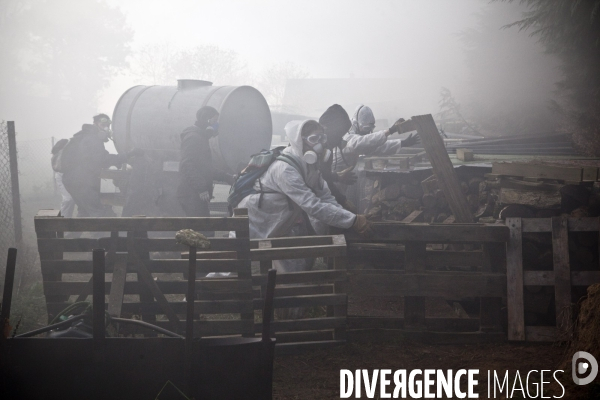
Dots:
pixel 82 160
pixel 336 122
pixel 196 170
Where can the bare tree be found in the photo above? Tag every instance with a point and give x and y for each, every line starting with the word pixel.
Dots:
pixel 152 64
pixel 274 78
pixel 162 64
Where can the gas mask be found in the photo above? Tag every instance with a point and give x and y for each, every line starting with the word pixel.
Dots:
pixel 365 130
pixel 213 130
pixel 106 133
pixel 316 141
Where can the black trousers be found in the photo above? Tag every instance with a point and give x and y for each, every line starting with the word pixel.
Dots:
pixel 87 197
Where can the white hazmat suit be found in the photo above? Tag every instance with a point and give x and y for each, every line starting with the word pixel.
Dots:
pixel 285 195
pixel 372 144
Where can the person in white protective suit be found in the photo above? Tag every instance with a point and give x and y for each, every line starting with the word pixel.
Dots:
pixel 360 140
pixel 290 202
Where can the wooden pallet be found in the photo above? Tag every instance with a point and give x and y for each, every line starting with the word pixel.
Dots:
pixel 241 295
pixel 562 278
pixel 416 280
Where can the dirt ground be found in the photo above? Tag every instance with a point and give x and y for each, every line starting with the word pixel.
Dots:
pixel 316 374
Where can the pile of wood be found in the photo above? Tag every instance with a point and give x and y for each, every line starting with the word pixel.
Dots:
pixel 512 190
pixel 530 190
pixel 400 200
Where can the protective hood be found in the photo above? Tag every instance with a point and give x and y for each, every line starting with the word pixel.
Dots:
pixel 336 122
pixel 293 131
pixel 362 116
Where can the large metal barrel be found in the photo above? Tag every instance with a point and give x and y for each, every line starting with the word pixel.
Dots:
pixel 153 117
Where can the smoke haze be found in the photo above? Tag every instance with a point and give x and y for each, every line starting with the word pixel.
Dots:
pixel 417 46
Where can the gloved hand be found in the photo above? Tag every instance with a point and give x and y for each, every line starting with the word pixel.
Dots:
pixel 362 226
pixel 347 176
pixel 412 139
pixel 204 196
pixel 137 152
pixel 348 205
pixel 394 128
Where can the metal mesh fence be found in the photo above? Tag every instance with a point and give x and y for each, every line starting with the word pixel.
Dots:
pixel 36 177
pixel 7 236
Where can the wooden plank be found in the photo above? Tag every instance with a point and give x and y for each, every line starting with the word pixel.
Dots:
pixel 305 301
pixel 452 285
pixel 538 171
pixel 206 328
pixel 45 224
pixel 304 324
pixel 291 241
pixel 284 253
pixel 562 277
pixel 433 233
pixel 442 167
pixel 207 285
pixel 303 347
pixel 489 312
pixel 306 336
pixel 541 333
pixel 432 324
pixel 211 255
pixel 540 200
pixel 200 307
pixel 393 254
pixel 243 233
pixel 117 289
pixel 303 277
pixel 590 174
pixel 415 216
pixel 148 280
pixel 464 154
pixel 514 279
pixel 414 306
pixel 588 224
pixel 296 290
pixel 49 275
pixel 340 288
pixel 47 213
pixel 385 335
pixel 202 266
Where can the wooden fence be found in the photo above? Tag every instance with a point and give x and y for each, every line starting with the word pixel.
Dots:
pixel 451 261
pixel 562 277
pixel 146 284
pixel 322 292
pixel 417 275
pixel 158 288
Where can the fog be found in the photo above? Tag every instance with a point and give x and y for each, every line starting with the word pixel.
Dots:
pixel 303 55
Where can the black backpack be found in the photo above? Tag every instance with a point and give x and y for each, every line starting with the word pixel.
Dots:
pixel 258 165
pixel 56 151
pixel 69 154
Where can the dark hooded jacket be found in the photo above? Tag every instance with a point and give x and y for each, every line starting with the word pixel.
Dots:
pixel 85 156
pixel 196 170
pixel 336 122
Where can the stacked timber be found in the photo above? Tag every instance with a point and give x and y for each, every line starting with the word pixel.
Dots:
pixel 411 200
pixel 539 190
pixel 526 190
pixel 541 144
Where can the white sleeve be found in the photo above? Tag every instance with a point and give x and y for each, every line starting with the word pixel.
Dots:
pixel 389 147
pixel 322 207
pixel 364 144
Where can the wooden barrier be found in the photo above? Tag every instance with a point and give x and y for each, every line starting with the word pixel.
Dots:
pixel 154 295
pixel 415 271
pixel 562 277
pixel 134 288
